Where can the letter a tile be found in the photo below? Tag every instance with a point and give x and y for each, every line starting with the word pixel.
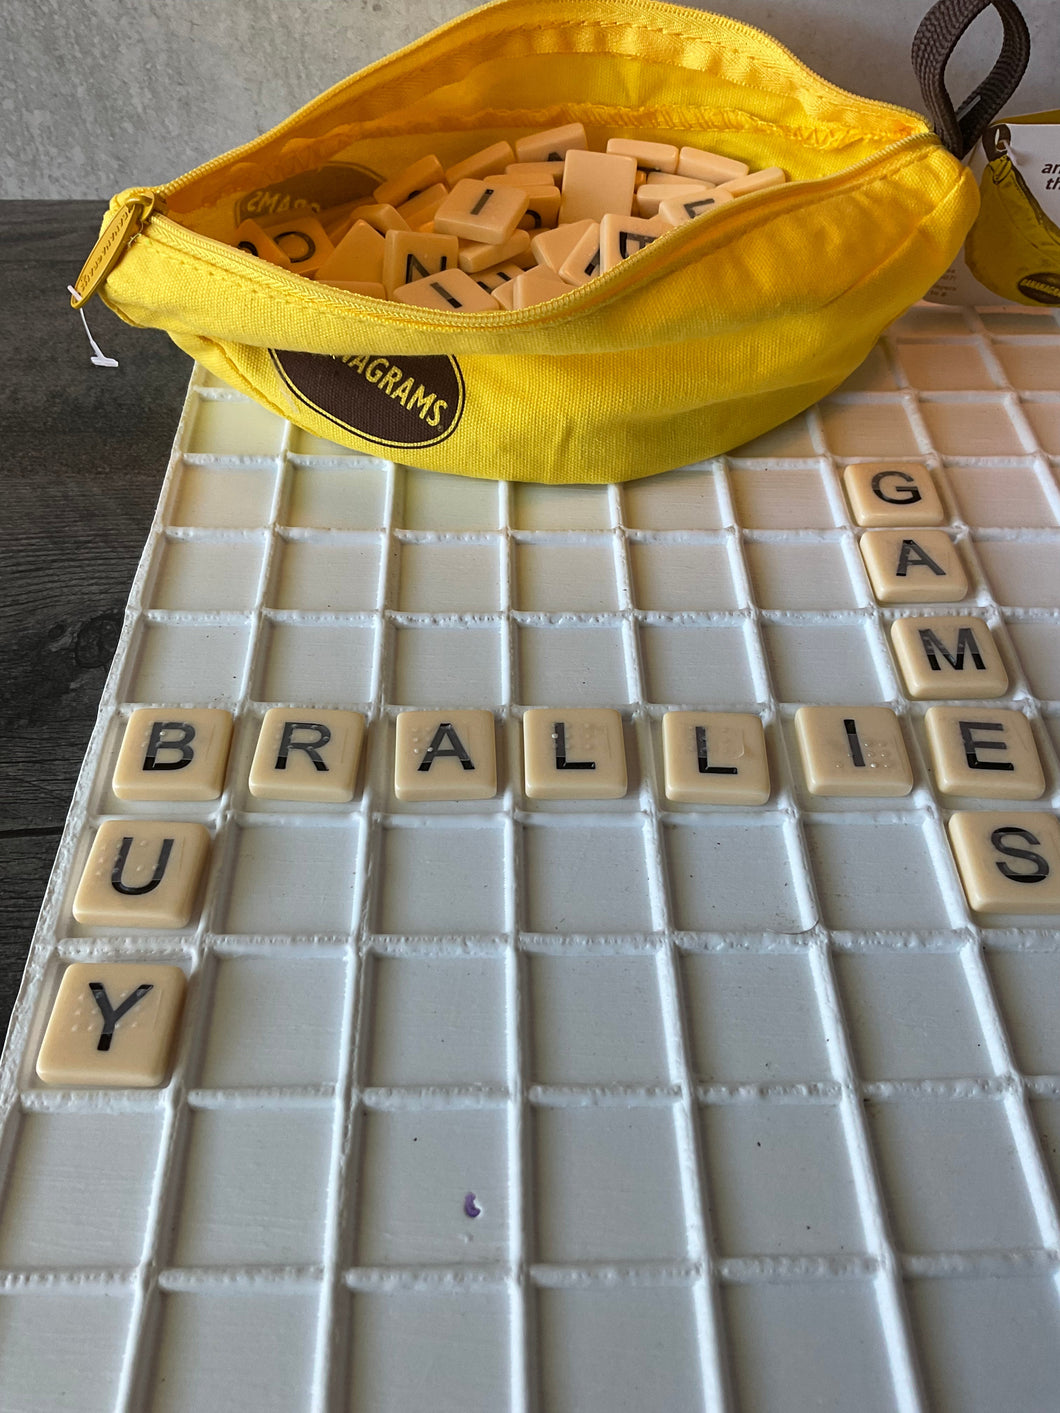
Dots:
pixel 112 1024
pixel 142 873
pixel 445 755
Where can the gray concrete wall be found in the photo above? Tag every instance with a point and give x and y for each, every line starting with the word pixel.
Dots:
pixel 96 95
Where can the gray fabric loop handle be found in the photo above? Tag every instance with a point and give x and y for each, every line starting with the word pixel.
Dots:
pixel 941 28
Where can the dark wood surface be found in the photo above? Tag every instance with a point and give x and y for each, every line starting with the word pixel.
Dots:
pixel 83 453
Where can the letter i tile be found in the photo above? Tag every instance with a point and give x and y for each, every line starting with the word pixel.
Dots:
pixel 142 873
pixel 112 1024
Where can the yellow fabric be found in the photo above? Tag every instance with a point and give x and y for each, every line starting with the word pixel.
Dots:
pixel 1014 248
pixel 718 331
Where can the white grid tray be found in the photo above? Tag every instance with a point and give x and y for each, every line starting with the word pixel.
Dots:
pixel 756 1114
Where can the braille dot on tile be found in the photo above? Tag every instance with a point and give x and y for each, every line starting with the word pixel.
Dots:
pixel 142 873
pixel 948 657
pixel 445 755
pixel 715 758
pixel 1008 862
pixel 852 751
pixel 112 1023
pixel 987 752
pixel 574 754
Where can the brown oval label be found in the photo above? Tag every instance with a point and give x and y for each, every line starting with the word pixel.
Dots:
pixel 1043 288
pixel 393 401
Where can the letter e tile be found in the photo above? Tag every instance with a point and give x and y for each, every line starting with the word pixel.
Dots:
pixel 984 752
pixel 574 754
pixel 112 1024
pixel 142 873
pixel 715 758
pixel 1008 862
pixel 445 755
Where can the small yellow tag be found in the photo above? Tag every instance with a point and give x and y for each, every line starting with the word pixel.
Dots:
pixel 127 223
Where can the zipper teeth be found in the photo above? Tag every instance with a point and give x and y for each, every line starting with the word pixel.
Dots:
pixel 182 236
pixel 645 6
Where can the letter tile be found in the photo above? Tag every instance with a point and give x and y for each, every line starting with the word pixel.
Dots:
pixel 304 754
pixel 382 218
pixel 552 145
pixel 497 276
pixel 623 236
pixel 302 239
pixel 448 290
pixel 896 494
pixel 595 183
pixel 709 166
pixel 485 163
pixel 1008 862
pixel 852 751
pixel 650 156
pixel 574 754
pixel 358 256
pixel 481 211
pixel 754 181
pixel 682 209
pixel 551 248
pixel 651 196
pixel 413 255
pixel 485 255
pixel 413 179
pixel 445 755
pixel 173 754
pixel 542 212
pixel 142 873
pixel 255 240
pixel 535 286
pixel 948 657
pixel 715 758
pixel 420 210
pixel 913 566
pixel 112 1024
pixel 535 173
pixel 583 263
pixel 986 752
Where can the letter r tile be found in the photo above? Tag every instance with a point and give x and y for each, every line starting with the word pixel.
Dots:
pixel 574 754
pixel 445 755
pixel 142 873
pixel 305 754
pixel 112 1024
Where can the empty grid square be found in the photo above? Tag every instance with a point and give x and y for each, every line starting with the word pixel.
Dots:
pixel 981 428
pixel 349 497
pixel 734 875
pixel 875 875
pixel 433 501
pixel 275 1021
pixel 234 428
pixel 911 1016
pixel 988 1342
pixel 1031 367
pixel 179 662
pixel 780 1180
pixel 575 507
pixel 255 1188
pixel 437 1020
pixel 770 499
pixel 1022 573
pixel 1038 648
pixel 304 443
pixel 78 1190
pixel 454 1342
pixel 685 499
pixel 754 1019
pixel 450 578
pixel 1003 497
pixel 435 877
pixel 1027 986
pixel 618 1350
pixel 320 664
pixel 294 881
pixel 569 578
pixel 1046 1114
pixel 459 665
pixel 585 877
pixel 874 375
pixel 702 666
pixel 608 1186
pixel 209 576
pixel 327 578
pixel 799 576
pixel 597 1020
pixel 674 578
pixel 951 1175
pixel 808 1344
pixel 1044 418
pixel 218 498
pixel 868 428
pixel 937 367
pixel 792 438
pixel 571 665
pixel 236 1349
pixel 418 1167
pixel 822 663
pixel 926 320
pixel 53 1342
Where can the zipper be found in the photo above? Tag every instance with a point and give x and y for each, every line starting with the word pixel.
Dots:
pixel 135 209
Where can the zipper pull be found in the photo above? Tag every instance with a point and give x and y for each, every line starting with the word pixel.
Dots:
pixel 121 230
